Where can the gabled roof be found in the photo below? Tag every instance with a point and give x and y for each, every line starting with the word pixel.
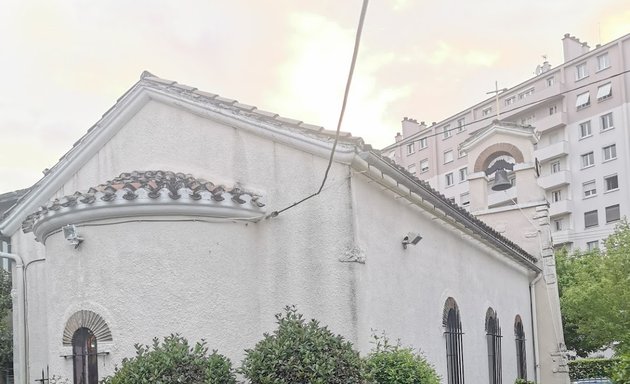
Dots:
pixel 498 126
pixel 232 112
pixel 152 87
pixel 8 200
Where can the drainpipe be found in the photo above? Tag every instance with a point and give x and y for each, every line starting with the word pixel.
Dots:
pixel 534 314
pixel 19 322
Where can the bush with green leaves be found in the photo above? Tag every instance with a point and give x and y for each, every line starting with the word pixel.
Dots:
pixel 523 381
pixel 174 361
pixel 590 368
pixel 621 370
pixel 394 364
pixel 301 351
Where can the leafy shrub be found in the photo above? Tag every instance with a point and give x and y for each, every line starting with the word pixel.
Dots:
pixel 301 352
pixel 621 370
pixel 523 381
pixel 393 364
pixel 589 368
pixel 173 361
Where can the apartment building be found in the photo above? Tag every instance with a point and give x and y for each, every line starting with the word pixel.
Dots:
pixel 579 112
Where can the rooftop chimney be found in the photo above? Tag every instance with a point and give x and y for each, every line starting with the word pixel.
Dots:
pixel 573 47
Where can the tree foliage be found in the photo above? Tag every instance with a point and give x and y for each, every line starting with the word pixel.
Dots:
pixel 621 371
pixel 174 361
pixel 6 334
pixel 595 294
pixel 394 364
pixel 301 352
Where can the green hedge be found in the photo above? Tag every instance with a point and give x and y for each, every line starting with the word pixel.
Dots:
pixel 588 368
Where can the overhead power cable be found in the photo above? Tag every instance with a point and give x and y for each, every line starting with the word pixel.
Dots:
pixel 355 53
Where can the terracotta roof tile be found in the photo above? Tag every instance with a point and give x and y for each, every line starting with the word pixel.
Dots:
pixel 152 184
pixel 264 113
pixel 245 107
pixel 287 120
pixel 205 94
pixel 225 100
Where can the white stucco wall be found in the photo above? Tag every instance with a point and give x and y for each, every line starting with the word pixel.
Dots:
pixel 223 281
pixel 403 292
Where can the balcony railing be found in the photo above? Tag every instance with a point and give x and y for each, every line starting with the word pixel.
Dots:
pixel 552 151
pixel 551 122
pixel 554 180
pixel 560 208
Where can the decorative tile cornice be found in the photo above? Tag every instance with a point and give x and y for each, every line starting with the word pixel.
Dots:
pixel 148 188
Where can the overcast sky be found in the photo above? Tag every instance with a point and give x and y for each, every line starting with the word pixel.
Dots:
pixel 64 63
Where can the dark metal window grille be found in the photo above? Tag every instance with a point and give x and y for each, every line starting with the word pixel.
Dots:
pixel 521 362
pixel 493 337
pixel 454 346
pixel 84 352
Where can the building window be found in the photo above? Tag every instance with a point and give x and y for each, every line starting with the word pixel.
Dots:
pixel 486 111
pixel 526 94
pixel 447 132
pixel 464 199
pixel 84 354
pixel 553 110
pixel 424 165
pixel 585 129
pixel 606 121
pixel 611 183
pixel 558 224
pixel 589 188
pixel 583 100
pixel 493 338
pixel 410 148
pixel 590 219
pixel 449 179
pixel 612 213
pixel 556 196
pixel 412 169
pixel 604 91
pixel 519 336
pixel 423 143
pixel 461 153
pixel 452 200
pixel 454 345
pixel 603 61
pixel 580 71
pixel 588 160
pixel 461 124
pixel 510 100
pixel 463 174
pixel 448 156
pixel 592 245
pixel 551 81
pixel 555 166
pixel 610 152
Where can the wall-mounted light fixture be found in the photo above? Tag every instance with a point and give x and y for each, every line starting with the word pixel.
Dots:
pixel 71 234
pixel 411 238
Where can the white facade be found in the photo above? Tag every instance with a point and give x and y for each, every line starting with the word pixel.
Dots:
pixel 189 262
pixel 581 112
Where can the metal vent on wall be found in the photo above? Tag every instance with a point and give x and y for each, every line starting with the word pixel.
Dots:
pixel 86 319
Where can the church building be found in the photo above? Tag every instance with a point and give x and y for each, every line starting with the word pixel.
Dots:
pixel 181 211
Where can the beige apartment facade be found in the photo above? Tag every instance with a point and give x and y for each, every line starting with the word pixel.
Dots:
pixel 579 115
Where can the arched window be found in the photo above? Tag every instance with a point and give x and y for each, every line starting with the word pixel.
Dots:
pixel 493 337
pixel 83 331
pixel 453 335
pixel 84 351
pixel 519 335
